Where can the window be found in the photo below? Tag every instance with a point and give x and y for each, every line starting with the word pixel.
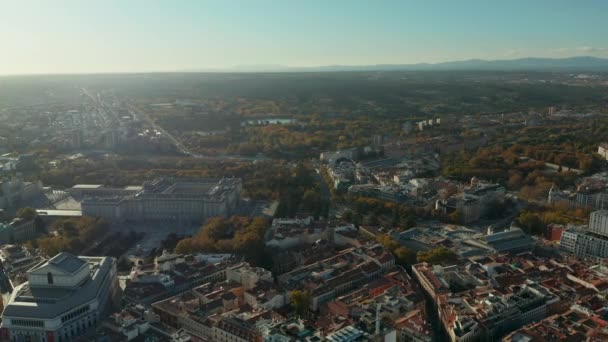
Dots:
pixel 28 323
pixel 49 278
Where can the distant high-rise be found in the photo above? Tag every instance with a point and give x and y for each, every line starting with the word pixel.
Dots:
pixel 552 111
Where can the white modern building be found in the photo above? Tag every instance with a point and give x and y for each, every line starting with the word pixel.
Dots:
pixel 164 199
pixel 568 240
pixel 598 222
pixel 63 298
pixel 584 244
pixel 591 242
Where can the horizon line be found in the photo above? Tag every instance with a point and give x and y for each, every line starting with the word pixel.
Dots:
pixel 299 69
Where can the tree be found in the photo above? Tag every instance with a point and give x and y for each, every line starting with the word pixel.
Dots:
pixel 26 213
pixel 239 234
pixel 73 235
pixel 185 246
pixel 51 246
pixel 495 209
pixel 347 216
pixel 407 222
pixel 311 201
pixel 124 264
pixel 455 216
pixel 531 223
pixel 405 256
pixel 388 242
pixel 437 255
pixel 300 301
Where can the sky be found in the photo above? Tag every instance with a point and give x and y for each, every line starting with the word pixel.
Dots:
pixel 91 36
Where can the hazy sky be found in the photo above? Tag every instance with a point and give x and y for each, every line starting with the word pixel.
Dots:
pixel 72 36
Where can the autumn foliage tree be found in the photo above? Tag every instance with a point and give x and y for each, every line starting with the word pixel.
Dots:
pixel 238 235
pixel 72 235
pixel 437 255
pixel 26 213
pixel 300 301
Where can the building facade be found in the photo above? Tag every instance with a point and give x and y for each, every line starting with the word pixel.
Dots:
pixel 591 242
pixel 598 222
pixel 63 298
pixel 166 199
pixel 584 244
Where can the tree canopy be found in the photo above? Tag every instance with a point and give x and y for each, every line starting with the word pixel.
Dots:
pixel 300 301
pixel 72 235
pixel 26 213
pixel 439 255
pixel 238 234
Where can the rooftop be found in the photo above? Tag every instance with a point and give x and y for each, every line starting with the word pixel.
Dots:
pixel 66 262
pixel 41 302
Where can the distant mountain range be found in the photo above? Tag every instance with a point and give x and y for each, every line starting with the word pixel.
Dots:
pixel 582 63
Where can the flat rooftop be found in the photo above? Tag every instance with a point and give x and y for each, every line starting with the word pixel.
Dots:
pixel 48 302
pixel 55 212
pixel 87 186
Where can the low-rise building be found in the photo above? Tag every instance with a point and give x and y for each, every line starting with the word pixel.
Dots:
pixel 265 296
pixel 430 282
pixel 286 233
pixel 512 240
pixel 333 156
pixel 17 259
pixel 128 324
pixel 485 314
pixel 414 327
pixel 473 202
pixel 172 274
pixel 329 278
pixel 234 329
pixel 248 275
pixel 573 325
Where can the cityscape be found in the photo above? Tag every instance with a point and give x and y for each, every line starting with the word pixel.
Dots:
pixel 333 194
